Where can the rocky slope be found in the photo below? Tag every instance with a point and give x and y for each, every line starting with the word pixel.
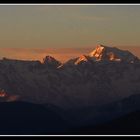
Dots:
pixel 104 76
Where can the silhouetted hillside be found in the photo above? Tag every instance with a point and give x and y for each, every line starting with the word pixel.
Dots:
pixel 28 118
pixel 33 119
pixel 125 125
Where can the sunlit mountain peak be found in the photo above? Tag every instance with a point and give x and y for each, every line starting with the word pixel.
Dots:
pixel 82 58
pixel 102 52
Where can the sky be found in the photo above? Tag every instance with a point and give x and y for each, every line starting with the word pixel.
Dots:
pixel 32 32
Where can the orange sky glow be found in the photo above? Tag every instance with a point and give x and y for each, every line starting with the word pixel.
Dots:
pixel 61 54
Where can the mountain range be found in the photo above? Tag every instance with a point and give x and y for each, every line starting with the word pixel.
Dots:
pixel 105 75
pixel 91 87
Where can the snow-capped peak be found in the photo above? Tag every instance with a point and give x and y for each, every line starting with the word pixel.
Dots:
pixel 102 52
pixel 98 51
pixel 82 58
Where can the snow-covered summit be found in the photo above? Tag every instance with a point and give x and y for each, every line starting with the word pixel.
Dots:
pixel 82 58
pixel 102 52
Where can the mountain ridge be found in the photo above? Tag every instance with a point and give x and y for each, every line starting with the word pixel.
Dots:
pixel 95 87
pixel 100 52
pixel 65 85
pixel 112 54
pixel 105 54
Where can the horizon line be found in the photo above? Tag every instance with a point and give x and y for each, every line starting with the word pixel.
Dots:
pixel 69 53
